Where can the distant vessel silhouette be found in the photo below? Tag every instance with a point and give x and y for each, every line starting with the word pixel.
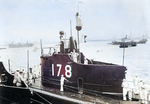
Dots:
pixel 19 45
pixel 142 41
pixel 129 41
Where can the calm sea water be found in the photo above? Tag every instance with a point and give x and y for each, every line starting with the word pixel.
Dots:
pixel 137 59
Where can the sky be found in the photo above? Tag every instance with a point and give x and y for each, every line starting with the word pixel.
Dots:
pixel 32 20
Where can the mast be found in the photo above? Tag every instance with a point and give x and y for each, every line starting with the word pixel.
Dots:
pixel 28 64
pixel 70 29
pixel 9 65
pixel 78 28
pixel 41 46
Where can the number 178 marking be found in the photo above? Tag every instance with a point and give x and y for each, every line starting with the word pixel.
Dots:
pixel 68 72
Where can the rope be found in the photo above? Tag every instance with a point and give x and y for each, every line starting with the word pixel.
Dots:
pixel 8 100
pixel 43 98
pixel 37 101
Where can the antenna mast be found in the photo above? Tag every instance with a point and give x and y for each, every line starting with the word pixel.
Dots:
pixel 70 29
pixel 41 46
pixel 78 28
pixel 28 65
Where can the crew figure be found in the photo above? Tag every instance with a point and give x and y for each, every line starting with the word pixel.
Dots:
pixel 39 70
pixel 136 82
pixel 30 76
pixel 34 73
pixel 74 55
pixel 15 77
pixel 24 74
pixel 85 61
pixel 126 90
pixel 62 82
pixel 148 96
pixel 55 52
pixel 143 94
pixel 20 79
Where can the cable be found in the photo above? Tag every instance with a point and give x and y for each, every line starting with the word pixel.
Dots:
pixel 8 100
pixel 43 98
pixel 37 101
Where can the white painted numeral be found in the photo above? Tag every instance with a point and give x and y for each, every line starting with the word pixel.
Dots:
pixel 68 72
pixel 52 69
pixel 59 65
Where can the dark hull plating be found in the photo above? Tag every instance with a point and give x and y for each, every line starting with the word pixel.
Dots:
pixel 14 95
pixel 9 93
pixel 98 76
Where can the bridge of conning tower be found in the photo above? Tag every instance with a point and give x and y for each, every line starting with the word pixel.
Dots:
pixel 67 46
pixel 64 47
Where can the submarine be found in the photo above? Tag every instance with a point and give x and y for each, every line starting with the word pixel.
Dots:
pixel 92 76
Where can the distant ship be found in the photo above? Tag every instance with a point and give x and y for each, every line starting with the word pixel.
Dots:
pixel 129 41
pixel 142 41
pixel 125 39
pixel 19 45
pixel 2 48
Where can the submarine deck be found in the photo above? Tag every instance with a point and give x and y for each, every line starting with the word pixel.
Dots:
pixel 74 97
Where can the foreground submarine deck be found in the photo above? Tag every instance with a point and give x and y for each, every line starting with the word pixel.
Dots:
pixel 67 97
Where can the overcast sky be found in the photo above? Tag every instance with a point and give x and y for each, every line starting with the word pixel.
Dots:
pixel 22 20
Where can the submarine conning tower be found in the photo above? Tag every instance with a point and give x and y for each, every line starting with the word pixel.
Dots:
pixel 67 46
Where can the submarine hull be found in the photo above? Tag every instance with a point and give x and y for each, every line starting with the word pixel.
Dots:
pixel 98 76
